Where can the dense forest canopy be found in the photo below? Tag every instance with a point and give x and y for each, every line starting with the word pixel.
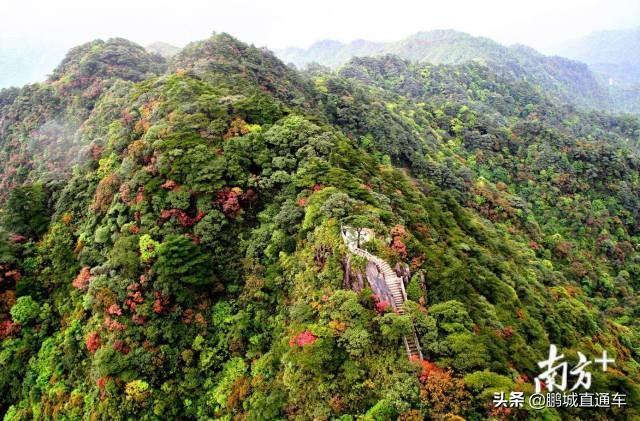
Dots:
pixel 170 239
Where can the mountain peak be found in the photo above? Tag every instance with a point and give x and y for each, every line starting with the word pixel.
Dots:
pixel 225 58
pixel 116 57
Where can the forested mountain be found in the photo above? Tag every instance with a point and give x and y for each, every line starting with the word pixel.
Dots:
pixel 566 80
pixel 437 47
pixel 171 247
pixel 39 123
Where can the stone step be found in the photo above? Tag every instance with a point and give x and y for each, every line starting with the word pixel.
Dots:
pixel 395 286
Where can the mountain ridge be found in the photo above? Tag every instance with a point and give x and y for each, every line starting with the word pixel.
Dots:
pixel 572 80
pixel 190 264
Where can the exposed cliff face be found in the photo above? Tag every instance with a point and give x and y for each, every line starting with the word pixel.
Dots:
pixel 170 238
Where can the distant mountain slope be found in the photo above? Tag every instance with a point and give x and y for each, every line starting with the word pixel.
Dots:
pixel 613 53
pixel 567 80
pixel 162 48
pixel 618 46
pixel 330 52
pixel 437 47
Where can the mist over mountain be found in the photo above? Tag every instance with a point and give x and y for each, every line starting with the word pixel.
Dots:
pixel 163 49
pixel 614 56
pixel 615 53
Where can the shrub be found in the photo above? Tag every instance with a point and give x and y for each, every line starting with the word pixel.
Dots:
pixel 93 342
pixel 26 211
pixel 303 338
pixel 137 390
pixel 82 280
pixel 395 326
pixel 25 310
pixel 104 193
pixel 148 248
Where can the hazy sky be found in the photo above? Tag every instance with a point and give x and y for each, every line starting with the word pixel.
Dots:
pixel 280 23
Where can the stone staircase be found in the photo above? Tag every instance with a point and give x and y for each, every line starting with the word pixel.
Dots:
pixel 398 293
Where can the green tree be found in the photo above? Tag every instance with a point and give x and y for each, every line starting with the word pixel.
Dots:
pixel 179 260
pixel 26 211
pixel 25 310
